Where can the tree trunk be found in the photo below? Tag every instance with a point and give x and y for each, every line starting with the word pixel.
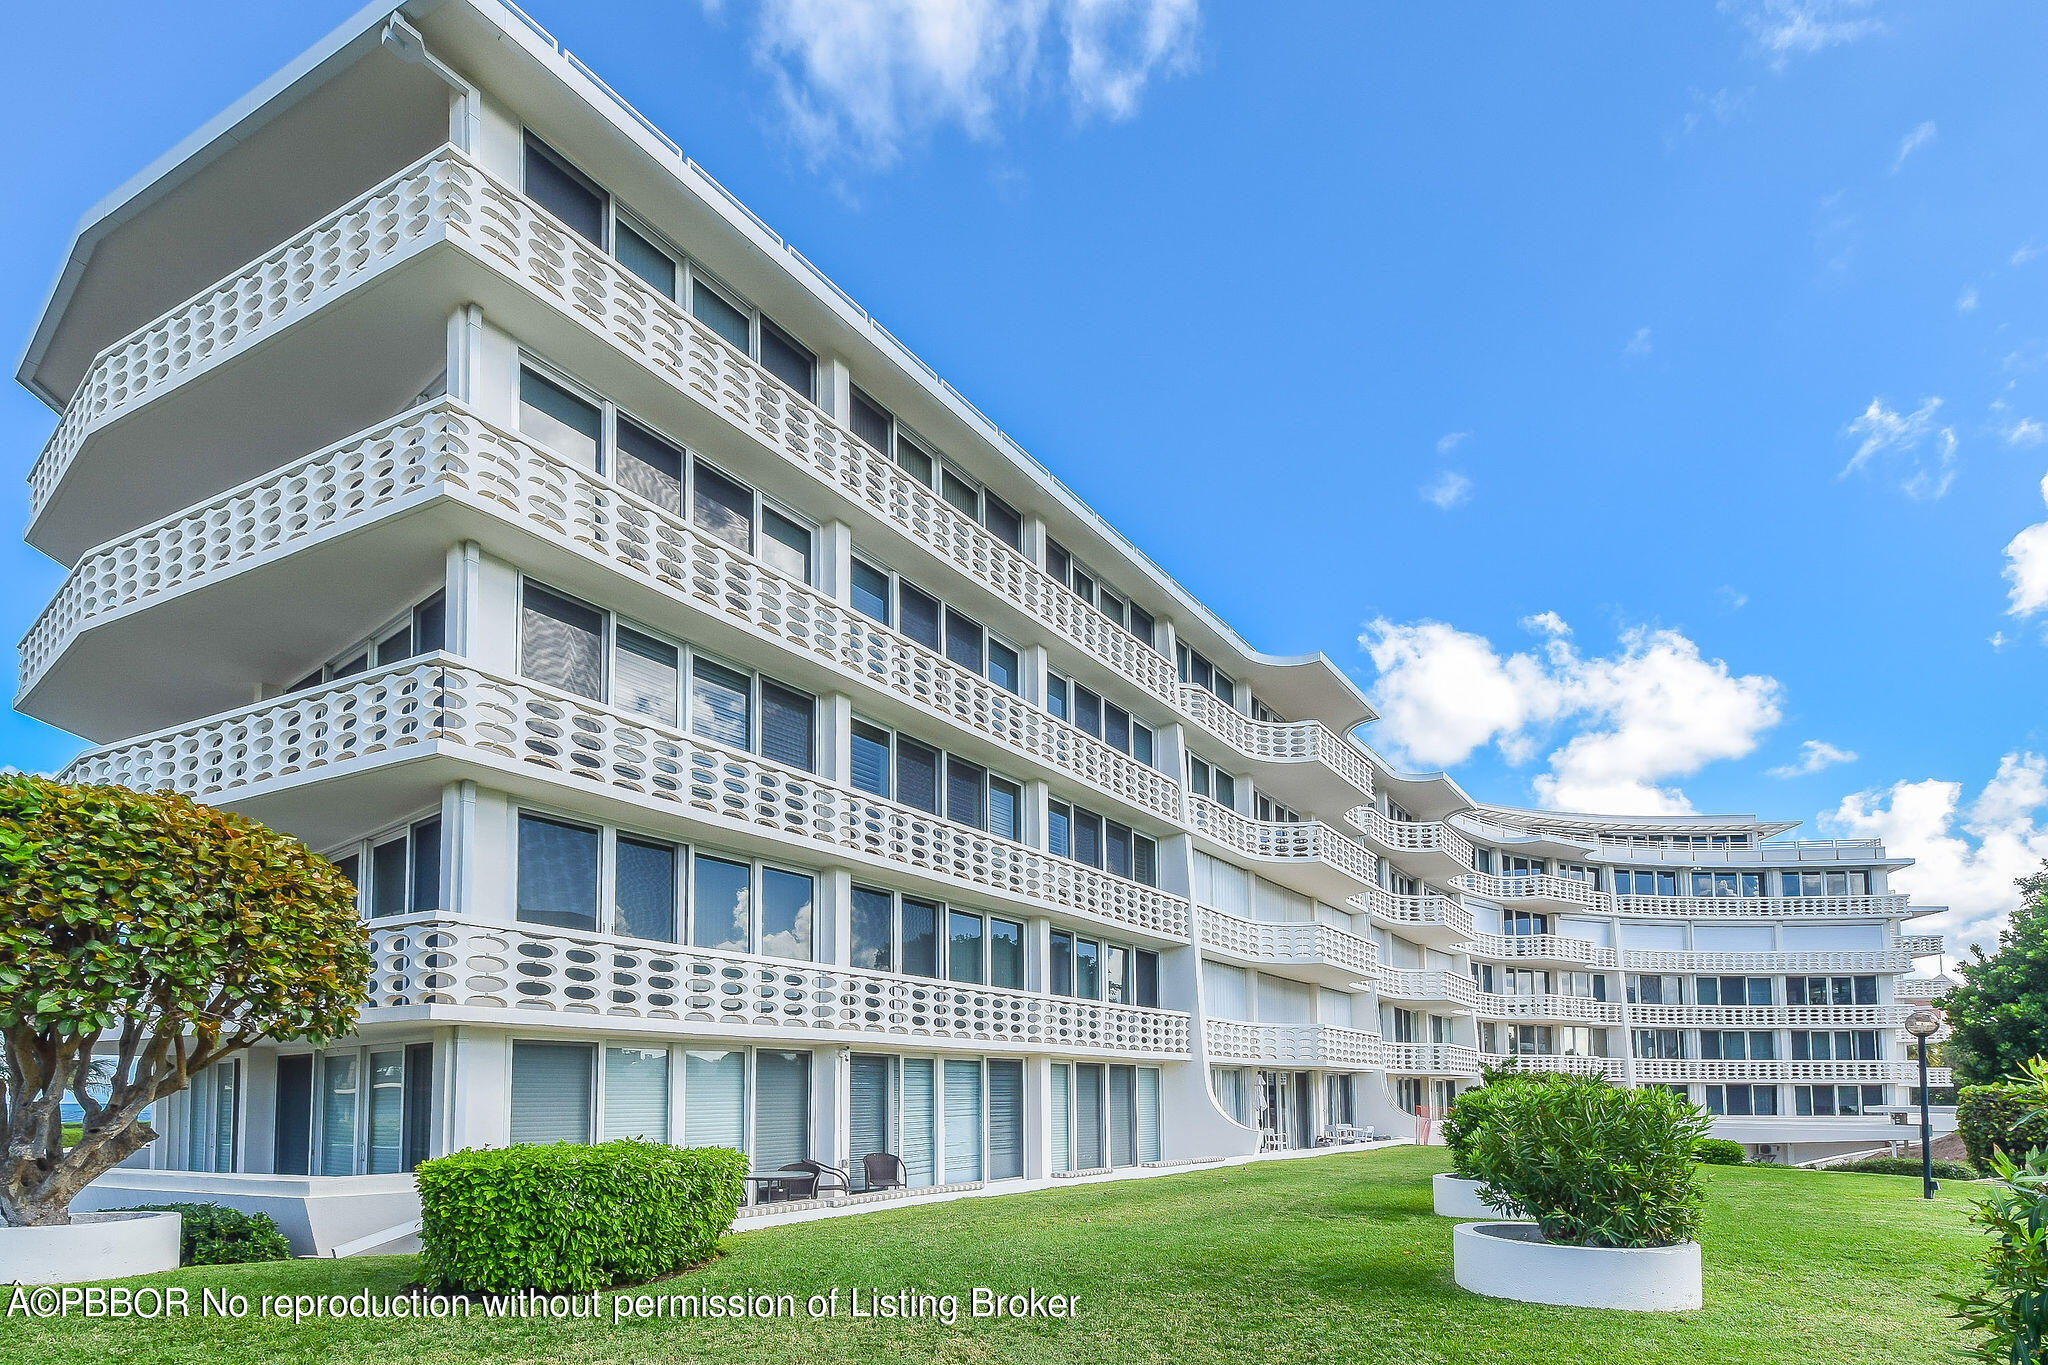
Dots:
pixel 34 1194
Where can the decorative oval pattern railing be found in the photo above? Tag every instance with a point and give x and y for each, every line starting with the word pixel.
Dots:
pixel 1920 945
pixel 1428 911
pixel 1769 1016
pixel 1547 947
pixel 1283 840
pixel 1300 741
pixel 1284 943
pixel 1573 1009
pixel 1432 1059
pixel 474 965
pixel 1291 1044
pixel 1922 989
pixel 1699 1069
pixel 1879 962
pixel 1398 984
pixel 438 699
pixel 1565 1063
pixel 445 447
pixel 1569 890
pixel 1532 886
pixel 1412 836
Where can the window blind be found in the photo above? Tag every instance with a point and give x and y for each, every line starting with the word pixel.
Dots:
pixel 787 721
pixel 920 613
pixel 1005 1120
pixel 869 1109
pixel 725 509
pixel 557 873
pixel 1123 1138
pixel 874 914
pixel 963 640
pixel 561 642
pixel 644 893
pixel 647 679
pixel 917 775
pixel 650 466
pixel 919 1118
pixel 338 1113
pixel 551 1091
pixel 1088 1117
pixel 387 1112
pixel 963 1120
pixel 1148 1113
pixel 782 1108
pixel 870 760
pixel 963 792
pixel 636 1093
pixel 1005 813
pixel 718 703
pixel 1062 1117
pixel 714 1099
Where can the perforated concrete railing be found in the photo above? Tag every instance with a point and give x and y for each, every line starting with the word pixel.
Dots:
pixel 1432 1059
pixel 1697 1069
pixel 447 195
pixel 477 965
pixel 1759 907
pixel 1412 836
pixel 1769 1016
pixel 1920 945
pixel 1291 1044
pixel 1303 840
pixel 1575 1009
pixel 1301 741
pixel 1548 947
pixel 1532 885
pixel 1921 989
pixel 445 448
pixel 1416 985
pixel 322 261
pixel 462 708
pixel 1427 911
pixel 1297 942
pixel 1677 961
pixel 1569 1064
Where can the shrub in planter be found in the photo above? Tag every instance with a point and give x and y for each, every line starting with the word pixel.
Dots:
pixel 1990 1117
pixel 2010 1308
pixel 1904 1165
pixel 217 1235
pixel 564 1217
pixel 1720 1152
pixel 1470 1109
pixel 1593 1164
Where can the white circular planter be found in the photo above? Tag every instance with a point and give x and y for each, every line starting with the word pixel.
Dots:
pixel 1458 1198
pixel 92 1246
pixel 1512 1261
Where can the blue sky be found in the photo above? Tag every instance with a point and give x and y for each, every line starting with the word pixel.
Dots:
pixel 1647 403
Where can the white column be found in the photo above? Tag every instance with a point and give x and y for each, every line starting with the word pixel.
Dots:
pixel 835 383
pixel 1038 1118
pixel 833 916
pixel 480 1090
pixel 835 737
pixel 835 561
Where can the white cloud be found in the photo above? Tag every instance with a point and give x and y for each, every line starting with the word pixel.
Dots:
pixel 1623 724
pixel 1814 754
pixel 1925 452
pixel 868 78
pixel 2026 566
pixel 1733 598
pixel 2025 431
pixel 1447 490
pixel 2027 252
pixel 1637 345
pixel 1998 639
pixel 1966 302
pixel 1450 441
pixel 1967 856
pixel 1913 142
pixel 1784 29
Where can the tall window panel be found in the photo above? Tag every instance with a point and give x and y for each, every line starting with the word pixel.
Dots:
pixel 647 881
pixel 720 904
pixel 636 1093
pixel 874 930
pixel 787 900
pixel 715 1099
pixel 963 1120
pixel 552 1086
pixel 561 642
pixel 920 1122
pixel 1123 1128
pixel 1088 1087
pixel 340 1089
pixel 871 1110
pixel 1062 1117
pixel 557 873
pixel 387 1112
pixel 1148 1113
pixel 1005 1119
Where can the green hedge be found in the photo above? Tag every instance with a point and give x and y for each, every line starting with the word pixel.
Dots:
pixel 217 1235
pixel 1989 1119
pixel 1904 1165
pixel 1720 1152
pixel 565 1217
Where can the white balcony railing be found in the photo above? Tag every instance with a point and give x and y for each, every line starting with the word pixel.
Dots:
pixel 1308 841
pixel 483 966
pixel 444 449
pixel 1283 1045
pixel 1768 1016
pixel 441 702
pixel 448 197
pixel 1922 989
pixel 1301 741
pixel 1541 947
pixel 1412 836
pixel 1878 962
pixel 1296 943
pixel 1565 1063
pixel 1398 984
pixel 1700 1069
pixel 1920 945
pixel 1548 887
pixel 1571 1009
pixel 1432 1059
pixel 1421 913
pixel 1521 886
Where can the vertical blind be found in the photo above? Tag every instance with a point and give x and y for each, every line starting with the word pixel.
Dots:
pixel 963 1120
pixel 963 792
pixel 636 1093
pixel 551 1091
pixel 338 1113
pixel 387 1112
pixel 1005 1120
pixel 714 1099
pixel 870 1106
pixel 1062 1117
pixel 1123 1138
pixel 919 1119
pixel 1088 1117
pixel 1148 1113
pixel 782 1108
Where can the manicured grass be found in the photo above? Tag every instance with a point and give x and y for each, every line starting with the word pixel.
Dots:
pixel 1335 1259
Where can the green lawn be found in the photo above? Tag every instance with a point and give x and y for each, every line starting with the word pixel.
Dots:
pixel 1335 1259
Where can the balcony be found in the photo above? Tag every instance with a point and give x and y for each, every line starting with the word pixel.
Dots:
pixel 1921 989
pixel 1763 907
pixel 1308 950
pixel 403 732
pixel 1305 855
pixel 1427 848
pixel 1431 1059
pixel 1920 945
pixel 1440 921
pixel 1427 988
pixel 1768 1016
pixel 1878 962
pixel 527 267
pixel 1563 1009
pixel 1660 1070
pixel 1541 950
pixel 1563 1063
pixel 476 971
pixel 375 513
pixel 1291 1045
pixel 1541 890
pixel 1304 763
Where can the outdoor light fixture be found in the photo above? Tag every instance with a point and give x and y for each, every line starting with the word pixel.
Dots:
pixel 1923 1025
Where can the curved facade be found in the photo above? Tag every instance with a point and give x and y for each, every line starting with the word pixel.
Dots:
pixel 736 739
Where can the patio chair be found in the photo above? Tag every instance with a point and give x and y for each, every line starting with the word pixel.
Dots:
pixel 883 1171
pixel 824 1179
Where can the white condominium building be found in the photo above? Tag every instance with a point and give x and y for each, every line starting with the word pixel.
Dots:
pixel 736 739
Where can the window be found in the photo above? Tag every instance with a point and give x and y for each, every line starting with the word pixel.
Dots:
pixel 1666 1044
pixel 1211 781
pixel 1085 837
pixel 585 429
pixel 561 642
pixel 876 426
pixel 1653 990
pixel 1839 1045
pixel 422 629
pixel 1736 1045
pixel 1267 809
pixel 934 781
pixel 1840 883
pixel 647 889
pixel 405 870
pixel 1199 672
pixel 1726 884
pixel 1742 1099
pixel 885 597
pixel 557 873
pixel 565 192
pixel 1831 990
pixel 1627 883
pixel 1733 990
pixel 1831 1100
pixel 1090 969
pixel 1108 722
pixel 1070 574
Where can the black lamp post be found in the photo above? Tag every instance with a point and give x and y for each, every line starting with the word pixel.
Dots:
pixel 1923 1025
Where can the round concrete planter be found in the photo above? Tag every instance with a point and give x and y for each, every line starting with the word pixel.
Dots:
pixel 1512 1261
pixel 93 1246
pixel 1456 1198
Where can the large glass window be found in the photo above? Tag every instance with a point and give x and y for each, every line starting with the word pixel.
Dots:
pixel 565 192
pixel 786 914
pixel 714 1099
pixel 636 1093
pixel 647 889
pixel 720 904
pixel 782 1108
pixel 557 873
pixel 551 1091
pixel 561 419
pixel 882 596
pixel 561 642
